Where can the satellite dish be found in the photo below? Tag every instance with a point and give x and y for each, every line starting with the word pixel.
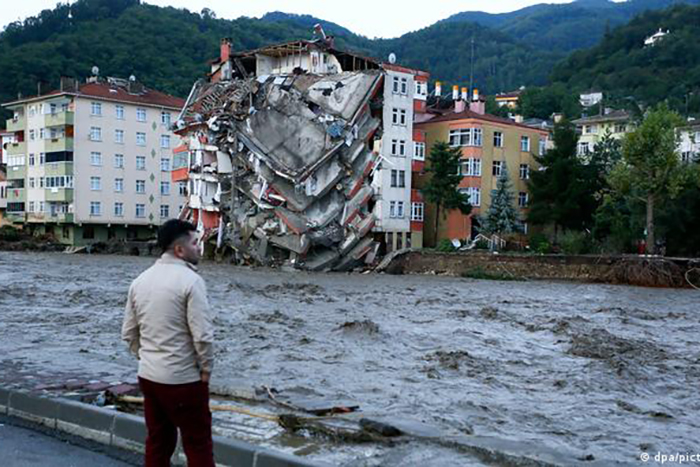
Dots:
pixel 132 78
pixel 392 58
pixel 95 71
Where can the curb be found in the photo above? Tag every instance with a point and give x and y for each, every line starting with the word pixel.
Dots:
pixel 126 431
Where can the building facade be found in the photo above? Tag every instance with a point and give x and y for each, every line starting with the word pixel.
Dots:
pixel 689 145
pixel 591 129
pixel 91 161
pixel 5 138
pixel 489 145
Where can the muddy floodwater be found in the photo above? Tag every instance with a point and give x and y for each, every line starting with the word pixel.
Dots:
pixel 590 374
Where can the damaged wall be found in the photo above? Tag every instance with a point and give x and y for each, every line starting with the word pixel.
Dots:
pixel 279 166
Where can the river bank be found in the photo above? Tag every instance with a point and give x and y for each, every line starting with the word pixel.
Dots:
pixel 635 270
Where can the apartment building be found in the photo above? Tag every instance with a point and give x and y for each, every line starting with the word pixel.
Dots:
pixel 5 138
pixel 689 144
pixel 592 128
pixel 331 183
pixel 489 145
pixel 91 161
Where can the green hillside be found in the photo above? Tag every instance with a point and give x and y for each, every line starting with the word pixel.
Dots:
pixel 628 71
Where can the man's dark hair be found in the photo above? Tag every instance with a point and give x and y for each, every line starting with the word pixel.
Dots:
pixel 172 231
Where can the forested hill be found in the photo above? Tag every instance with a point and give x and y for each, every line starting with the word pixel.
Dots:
pixel 627 70
pixel 565 27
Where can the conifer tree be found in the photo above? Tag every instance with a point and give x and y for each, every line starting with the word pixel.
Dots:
pixel 502 216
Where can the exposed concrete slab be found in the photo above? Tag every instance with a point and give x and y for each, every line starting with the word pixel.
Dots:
pixel 35 408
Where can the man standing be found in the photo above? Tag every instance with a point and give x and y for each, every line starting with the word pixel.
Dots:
pixel 168 326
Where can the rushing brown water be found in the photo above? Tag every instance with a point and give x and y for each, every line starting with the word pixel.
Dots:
pixel 588 374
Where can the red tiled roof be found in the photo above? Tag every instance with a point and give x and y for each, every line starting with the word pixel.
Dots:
pixel 468 114
pixel 118 93
pixel 103 90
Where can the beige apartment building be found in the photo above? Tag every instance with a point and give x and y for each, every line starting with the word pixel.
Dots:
pixel 91 161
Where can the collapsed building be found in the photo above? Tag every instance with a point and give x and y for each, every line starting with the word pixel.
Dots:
pixel 299 153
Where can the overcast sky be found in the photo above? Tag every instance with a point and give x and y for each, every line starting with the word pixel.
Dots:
pixel 372 18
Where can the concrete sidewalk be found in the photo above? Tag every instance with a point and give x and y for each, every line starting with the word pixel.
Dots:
pixel 22 446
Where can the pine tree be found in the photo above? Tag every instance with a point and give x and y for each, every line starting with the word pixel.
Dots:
pixel 502 217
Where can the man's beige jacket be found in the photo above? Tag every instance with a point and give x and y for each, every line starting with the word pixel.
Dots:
pixel 168 324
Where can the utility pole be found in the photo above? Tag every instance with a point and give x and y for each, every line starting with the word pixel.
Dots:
pixel 471 73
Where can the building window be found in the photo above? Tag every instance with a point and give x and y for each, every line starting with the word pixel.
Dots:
pixel 95 208
pixel 404 86
pixel 95 108
pixel 400 209
pixel 165 118
pixel 398 179
pixel 165 188
pixel 417 211
pixel 119 161
pixel 119 111
pixel 119 136
pixel 31 207
pixel 469 167
pixel 140 162
pixel 96 159
pixel 402 148
pixel 182 188
pixel 466 137
pixel 31 159
pixel 474 194
pixel 41 182
pixel 140 115
pixel 119 185
pixel 141 186
pixel 392 209
pixel 524 171
pixel 95 133
pixel 522 199
pixel 32 182
pixel 95 183
pixel 140 210
pixel 525 143
pixel 497 139
pixel 164 164
pixel 686 157
pixel 118 209
pixel 32 135
pixel 497 166
pixel 164 211
pixel 542 146
pixel 582 149
pixel 164 141
pixel 42 158
pixel 141 139
pixel 419 151
pixel 395 87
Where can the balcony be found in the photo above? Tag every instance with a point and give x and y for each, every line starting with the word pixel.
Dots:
pixel 15 217
pixel 59 119
pixel 60 218
pixel 16 195
pixel 59 194
pixel 16 172
pixel 58 168
pixel 58 144
pixel 16 124
pixel 16 149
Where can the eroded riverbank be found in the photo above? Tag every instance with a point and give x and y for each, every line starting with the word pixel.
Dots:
pixel 589 371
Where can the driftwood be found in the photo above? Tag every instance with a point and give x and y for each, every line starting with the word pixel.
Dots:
pixel 647 272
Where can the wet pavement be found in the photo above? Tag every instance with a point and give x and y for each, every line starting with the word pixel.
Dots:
pixel 586 373
pixel 23 447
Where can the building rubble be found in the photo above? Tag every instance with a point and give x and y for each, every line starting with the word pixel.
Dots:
pixel 279 167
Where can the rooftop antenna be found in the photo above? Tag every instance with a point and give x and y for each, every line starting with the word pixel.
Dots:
pixel 471 72
pixel 392 58
pixel 95 71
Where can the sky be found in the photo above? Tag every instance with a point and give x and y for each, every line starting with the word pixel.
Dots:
pixel 371 18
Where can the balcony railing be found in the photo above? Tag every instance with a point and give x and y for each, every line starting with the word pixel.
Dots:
pixel 15 124
pixel 16 195
pixel 58 144
pixel 58 168
pixel 59 119
pixel 14 149
pixel 59 194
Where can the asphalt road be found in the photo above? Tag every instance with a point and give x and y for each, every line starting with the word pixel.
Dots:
pixel 25 447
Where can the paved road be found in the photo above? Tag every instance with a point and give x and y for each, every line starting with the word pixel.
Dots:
pixel 23 447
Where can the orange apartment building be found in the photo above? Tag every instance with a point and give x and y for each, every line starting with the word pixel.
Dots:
pixel 488 144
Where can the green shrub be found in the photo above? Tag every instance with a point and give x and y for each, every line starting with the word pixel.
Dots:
pixel 575 243
pixel 10 234
pixel 445 246
pixel 539 244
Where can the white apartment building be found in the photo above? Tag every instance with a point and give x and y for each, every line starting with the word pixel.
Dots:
pixel 91 161
pixel 5 138
pixel 689 146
